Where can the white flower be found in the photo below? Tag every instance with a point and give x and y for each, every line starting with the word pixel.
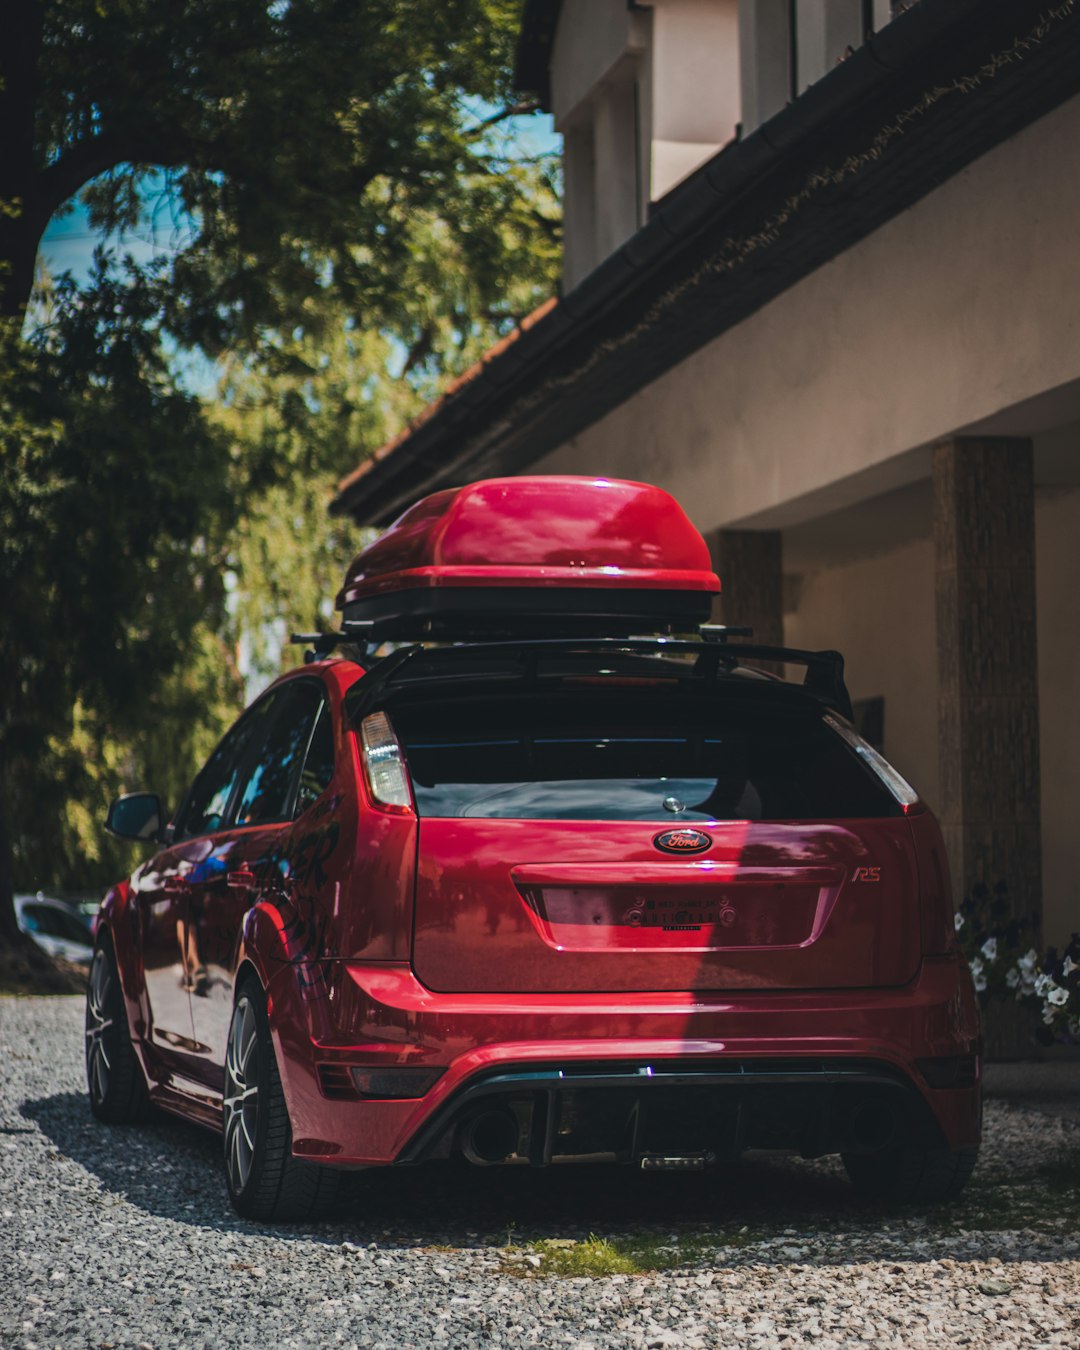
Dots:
pixel 1043 985
pixel 989 949
pixel 1048 1016
pixel 980 983
pixel 958 921
pixel 1058 996
pixel 1028 962
pixel 975 966
pixel 1069 966
pixel 1012 977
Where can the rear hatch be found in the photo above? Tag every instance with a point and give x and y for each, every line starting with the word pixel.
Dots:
pixel 627 834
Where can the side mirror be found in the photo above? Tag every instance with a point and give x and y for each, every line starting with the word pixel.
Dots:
pixel 136 815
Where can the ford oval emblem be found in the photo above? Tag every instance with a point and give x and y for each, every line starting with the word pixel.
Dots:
pixel 683 841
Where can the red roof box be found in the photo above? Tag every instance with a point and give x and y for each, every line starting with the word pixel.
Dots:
pixel 554 554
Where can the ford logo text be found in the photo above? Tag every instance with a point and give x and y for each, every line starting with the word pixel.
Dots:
pixel 683 841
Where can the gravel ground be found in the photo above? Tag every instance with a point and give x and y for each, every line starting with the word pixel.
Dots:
pixel 124 1237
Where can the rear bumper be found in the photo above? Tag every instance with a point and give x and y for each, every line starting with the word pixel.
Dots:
pixel 790 1056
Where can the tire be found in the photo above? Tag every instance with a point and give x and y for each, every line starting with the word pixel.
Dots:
pixel 114 1077
pixel 910 1175
pixel 265 1181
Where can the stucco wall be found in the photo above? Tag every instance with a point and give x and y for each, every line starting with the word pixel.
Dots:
pixel 879 611
pixel 954 311
pixel 1057 567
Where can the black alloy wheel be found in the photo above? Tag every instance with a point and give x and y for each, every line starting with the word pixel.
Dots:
pixel 265 1181
pixel 114 1077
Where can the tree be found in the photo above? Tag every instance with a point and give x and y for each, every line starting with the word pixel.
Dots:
pixel 350 231
pixel 115 506
pixel 292 137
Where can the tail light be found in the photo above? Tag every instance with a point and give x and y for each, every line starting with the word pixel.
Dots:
pixel 384 764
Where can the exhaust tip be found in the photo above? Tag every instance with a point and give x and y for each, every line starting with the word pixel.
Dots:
pixel 490 1137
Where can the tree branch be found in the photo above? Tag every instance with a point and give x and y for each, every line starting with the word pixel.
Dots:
pixel 530 105
pixel 87 160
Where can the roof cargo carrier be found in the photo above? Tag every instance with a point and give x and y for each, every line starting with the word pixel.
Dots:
pixel 556 556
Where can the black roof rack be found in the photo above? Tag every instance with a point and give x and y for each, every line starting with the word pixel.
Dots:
pixel 824 680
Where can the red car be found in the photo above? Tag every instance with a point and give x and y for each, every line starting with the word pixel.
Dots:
pixel 565 876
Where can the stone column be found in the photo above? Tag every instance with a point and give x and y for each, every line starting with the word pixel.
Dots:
pixel 751 578
pixel 988 707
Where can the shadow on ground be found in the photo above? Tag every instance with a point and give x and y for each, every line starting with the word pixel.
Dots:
pixel 171 1169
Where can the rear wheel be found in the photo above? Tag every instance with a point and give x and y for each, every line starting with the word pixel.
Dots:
pixel 903 1173
pixel 265 1181
pixel 114 1079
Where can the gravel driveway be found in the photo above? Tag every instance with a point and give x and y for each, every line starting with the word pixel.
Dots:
pixel 124 1237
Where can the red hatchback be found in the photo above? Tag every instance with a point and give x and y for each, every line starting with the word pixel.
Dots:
pixel 562 875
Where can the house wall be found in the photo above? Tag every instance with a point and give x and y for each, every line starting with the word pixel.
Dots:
pixel 823 31
pixel 945 318
pixel 1057 566
pixel 817 414
pixel 695 100
pixel 642 95
pixel 878 609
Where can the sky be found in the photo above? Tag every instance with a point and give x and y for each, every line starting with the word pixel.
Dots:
pixel 69 241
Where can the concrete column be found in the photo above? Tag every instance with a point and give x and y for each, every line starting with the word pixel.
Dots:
pixel 616 149
pixel 579 202
pixel 695 102
pixel 751 577
pixel 988 707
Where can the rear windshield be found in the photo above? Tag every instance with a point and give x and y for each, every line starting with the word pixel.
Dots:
pixel 613 755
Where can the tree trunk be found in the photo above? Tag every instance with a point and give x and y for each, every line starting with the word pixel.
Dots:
pixel 19 239
pixel 23 216
pixel 9 929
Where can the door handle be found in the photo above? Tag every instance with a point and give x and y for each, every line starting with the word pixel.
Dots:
pixel 241 880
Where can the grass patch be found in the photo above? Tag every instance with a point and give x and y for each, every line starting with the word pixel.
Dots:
pixel 1044 1201
pixel 632 1254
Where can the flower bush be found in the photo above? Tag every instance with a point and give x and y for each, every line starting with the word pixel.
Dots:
pixel 1004 964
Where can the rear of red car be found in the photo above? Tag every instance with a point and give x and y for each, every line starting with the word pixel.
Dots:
pixel 665 909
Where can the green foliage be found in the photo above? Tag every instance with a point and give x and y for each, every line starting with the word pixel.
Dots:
pixel 348 234
pixel 297 146
pixel 634 1253
pixel 115 511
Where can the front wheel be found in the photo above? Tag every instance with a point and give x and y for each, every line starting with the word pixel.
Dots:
pixel 265 1181
pixel 114 1079
pixel 906 1174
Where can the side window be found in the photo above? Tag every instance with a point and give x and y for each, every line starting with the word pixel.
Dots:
pixel 269 777
pixel 209 797
pixel 319 765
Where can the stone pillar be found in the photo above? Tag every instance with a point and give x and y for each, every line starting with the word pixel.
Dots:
pixel 751 578
pixel 988 708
